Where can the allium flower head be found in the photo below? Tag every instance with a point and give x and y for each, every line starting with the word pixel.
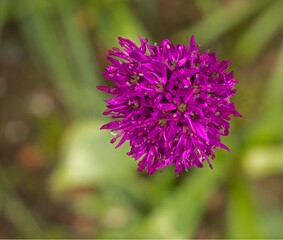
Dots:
pixel 171 103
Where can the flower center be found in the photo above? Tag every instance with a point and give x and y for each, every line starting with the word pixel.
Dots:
pixel 135 106
pixel 134 78
pixel 160 86
pixel 162 122
pixel 182 107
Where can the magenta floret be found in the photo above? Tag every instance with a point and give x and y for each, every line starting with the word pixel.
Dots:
pixel 170 102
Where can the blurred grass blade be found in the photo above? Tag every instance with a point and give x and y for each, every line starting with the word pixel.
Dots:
pixel 11 205
pixel 220 22
pixel 262 30
pixel 207 6
pixel 41 32
pixel 243 219
pixel 273 99
pixel 269 127
pixel 149 10
pixel 15 210
pixel 180 213
pixel 20 216
pixel 272 219
pixel 82 53
pixel 3 10
pixel 117 19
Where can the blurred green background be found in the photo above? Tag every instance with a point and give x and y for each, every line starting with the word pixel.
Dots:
pixel 59 175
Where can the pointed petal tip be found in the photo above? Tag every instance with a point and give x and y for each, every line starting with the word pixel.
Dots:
pixel 192 43
pixel 101 88
pixel 236 114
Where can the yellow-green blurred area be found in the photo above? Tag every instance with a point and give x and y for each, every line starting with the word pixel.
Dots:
pixel 59 175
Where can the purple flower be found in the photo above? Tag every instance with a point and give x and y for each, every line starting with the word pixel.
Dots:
pixel 170 102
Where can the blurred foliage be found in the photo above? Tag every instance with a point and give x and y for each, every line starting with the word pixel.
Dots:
pixel 59 175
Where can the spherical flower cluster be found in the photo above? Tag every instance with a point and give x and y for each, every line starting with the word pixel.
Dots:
pixel 170 102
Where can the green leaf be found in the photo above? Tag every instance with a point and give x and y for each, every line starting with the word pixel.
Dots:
pixel 219 22
pixel 261 31
pixel 261 161
pixel 88 159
